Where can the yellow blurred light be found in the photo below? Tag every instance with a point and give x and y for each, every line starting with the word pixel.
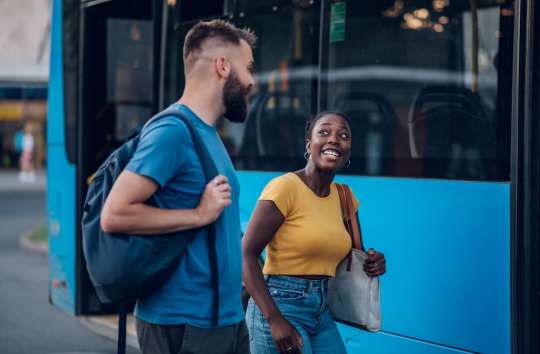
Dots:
pixel 438 28
pixel 171 2
pixel 408 17
pixel 415 23
pixel 498 34
pixel 443 20
pixel 399 4
pixel 421 14
pixel 438 5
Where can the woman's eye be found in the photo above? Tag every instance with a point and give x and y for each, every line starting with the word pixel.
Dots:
pixel 323 132
pixel 345 136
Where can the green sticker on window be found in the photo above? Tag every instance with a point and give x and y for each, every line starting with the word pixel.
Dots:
pixel 337 22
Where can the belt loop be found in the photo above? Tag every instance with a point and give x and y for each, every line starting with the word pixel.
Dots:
pixel 310 286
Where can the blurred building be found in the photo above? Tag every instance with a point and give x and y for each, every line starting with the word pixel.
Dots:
pixel 24 75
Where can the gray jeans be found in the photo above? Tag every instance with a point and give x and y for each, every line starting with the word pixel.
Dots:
pixel 186 339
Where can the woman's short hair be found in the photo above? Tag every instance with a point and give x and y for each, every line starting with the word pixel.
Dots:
pixel 314 118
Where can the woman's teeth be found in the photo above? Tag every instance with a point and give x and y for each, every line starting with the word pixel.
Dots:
pixel 331 153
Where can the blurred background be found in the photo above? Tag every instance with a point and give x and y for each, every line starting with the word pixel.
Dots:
pixel 25 32
pixel 28 322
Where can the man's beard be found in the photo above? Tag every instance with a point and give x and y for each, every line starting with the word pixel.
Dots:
pixel 235 99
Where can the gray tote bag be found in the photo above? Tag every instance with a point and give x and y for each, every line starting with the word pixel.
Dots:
pixel 354 298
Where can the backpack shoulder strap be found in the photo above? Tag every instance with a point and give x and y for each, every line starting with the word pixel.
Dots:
pixel 209 167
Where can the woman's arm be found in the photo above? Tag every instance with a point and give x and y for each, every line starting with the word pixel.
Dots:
pixel 265 221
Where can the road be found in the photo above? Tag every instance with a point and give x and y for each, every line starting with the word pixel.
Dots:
pixel 28 323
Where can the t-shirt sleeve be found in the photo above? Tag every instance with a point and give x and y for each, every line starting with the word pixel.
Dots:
pixel 356 203
pixel 282 191
pixel 159 153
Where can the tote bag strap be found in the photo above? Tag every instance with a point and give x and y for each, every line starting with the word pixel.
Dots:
pixel 351 222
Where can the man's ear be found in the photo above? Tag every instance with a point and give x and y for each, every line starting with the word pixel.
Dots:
pixel 223 67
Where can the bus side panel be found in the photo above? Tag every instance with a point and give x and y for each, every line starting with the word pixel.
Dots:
pixel 60 182
pixel 448 249
pixel 360 342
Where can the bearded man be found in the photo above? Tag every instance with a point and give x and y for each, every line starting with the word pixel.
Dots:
pixel 217 61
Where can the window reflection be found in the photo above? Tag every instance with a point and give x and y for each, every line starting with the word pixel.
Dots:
pixel 426 83
pixel 434 64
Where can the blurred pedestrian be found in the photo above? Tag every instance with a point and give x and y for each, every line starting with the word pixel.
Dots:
pixel 27 173
pixel 18 146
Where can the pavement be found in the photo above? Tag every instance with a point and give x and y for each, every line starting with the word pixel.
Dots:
pixel 9 182
pixel 28 322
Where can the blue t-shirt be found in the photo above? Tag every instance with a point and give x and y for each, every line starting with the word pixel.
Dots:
pixel 166 153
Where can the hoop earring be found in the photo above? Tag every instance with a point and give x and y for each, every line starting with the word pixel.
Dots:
pixel 306 155
pixel 349 161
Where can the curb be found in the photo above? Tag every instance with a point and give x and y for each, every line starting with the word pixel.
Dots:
pixel 26 244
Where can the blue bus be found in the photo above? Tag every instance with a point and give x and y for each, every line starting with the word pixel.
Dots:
pixel 444 99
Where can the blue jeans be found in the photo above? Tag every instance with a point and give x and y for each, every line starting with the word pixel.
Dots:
pixel 303 303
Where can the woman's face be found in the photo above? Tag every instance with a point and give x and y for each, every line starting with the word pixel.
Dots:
pixel 330 144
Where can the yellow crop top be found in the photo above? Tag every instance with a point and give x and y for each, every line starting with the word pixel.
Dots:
pixel 312 240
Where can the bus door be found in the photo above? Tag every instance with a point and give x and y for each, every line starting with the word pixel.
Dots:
pixel 115 89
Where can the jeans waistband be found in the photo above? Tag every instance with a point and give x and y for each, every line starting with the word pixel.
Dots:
pixel 296 283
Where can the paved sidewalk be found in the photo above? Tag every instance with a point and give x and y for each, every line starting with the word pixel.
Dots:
pixel 9 182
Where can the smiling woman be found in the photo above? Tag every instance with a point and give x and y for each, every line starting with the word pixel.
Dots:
pixel 299 220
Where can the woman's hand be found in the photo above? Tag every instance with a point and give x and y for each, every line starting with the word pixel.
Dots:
pixel 286 336
pixel 375 264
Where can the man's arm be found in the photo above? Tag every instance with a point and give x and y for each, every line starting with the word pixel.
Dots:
pixel 125 212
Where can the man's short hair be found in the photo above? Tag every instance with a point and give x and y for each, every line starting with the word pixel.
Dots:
pixel 216 29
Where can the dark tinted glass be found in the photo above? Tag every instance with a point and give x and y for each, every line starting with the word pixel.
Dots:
pixel 186 11
pixel 118 74
pixel 426 84
pixel 284 95
pixel 70 56
pixel 427 95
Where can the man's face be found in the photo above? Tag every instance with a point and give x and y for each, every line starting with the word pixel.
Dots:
pixel 238 86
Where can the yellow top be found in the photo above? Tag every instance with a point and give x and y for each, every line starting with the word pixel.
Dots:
pixel 313 239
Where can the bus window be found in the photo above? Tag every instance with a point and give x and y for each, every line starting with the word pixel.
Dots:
pixel 129 73
pixel 285 75
pixel 437 68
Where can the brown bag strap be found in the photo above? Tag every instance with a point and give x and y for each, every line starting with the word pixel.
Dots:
pixel 351 221
pixel 345 196
pixel 357 234
pixel 345 209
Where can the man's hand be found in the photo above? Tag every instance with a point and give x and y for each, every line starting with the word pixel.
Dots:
pixel 215 198
pixel 375 264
